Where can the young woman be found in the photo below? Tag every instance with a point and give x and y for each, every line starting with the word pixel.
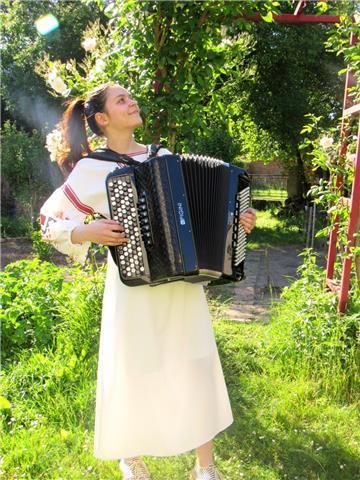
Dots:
pixel 160 384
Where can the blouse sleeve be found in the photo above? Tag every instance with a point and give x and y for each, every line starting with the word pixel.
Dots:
pixel 64 210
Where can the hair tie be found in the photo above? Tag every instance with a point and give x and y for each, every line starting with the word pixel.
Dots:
pixel 89 109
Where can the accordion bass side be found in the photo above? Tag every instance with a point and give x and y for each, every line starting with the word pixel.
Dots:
pixel 181 214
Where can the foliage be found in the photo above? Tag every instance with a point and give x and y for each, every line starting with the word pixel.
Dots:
pixel 30 292
pixel 282 426
pixel 216 143
pixel 50 339
pixel 311 339
pixel 24 94
pixel 24 169
pixel 41 249
pixel 327 160
pixel 170 73
pixel 322 149
pixel 14 227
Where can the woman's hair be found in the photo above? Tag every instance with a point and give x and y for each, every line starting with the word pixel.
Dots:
pixel 73 127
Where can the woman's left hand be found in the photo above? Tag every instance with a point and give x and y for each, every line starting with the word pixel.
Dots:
pixel 248 219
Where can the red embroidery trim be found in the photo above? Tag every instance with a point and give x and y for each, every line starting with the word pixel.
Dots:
pixel 74 199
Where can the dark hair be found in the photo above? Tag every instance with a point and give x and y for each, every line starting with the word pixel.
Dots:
pixel 73 127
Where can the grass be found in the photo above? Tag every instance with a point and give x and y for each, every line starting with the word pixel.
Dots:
pixel 271 230
pixel 286 425
pixel 283 428
pixel 269 194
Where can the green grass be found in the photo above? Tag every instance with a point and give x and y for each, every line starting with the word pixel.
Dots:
pixel 269 194
pixel 295 415
pixel 271 230
pixel 282 429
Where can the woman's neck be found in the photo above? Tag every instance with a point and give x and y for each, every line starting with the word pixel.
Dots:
pixel 124 144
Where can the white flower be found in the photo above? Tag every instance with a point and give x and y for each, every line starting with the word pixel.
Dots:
pixel 357 17
pixel 53 143
pixel 58 85
pixel 99 65
pixel 89 44
pixel 68 66
pixel 326 142
pixel 350 157
pixel 223 30
pixel 52 74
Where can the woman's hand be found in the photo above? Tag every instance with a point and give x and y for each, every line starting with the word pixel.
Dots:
pixel 103 232
pixel 248 219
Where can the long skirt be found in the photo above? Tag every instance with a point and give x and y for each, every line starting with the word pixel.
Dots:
pixel 160 384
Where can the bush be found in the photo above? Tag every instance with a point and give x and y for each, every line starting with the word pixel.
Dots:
pixel 15 226
pixel 309 336
pixel 25 171
pixel 31 291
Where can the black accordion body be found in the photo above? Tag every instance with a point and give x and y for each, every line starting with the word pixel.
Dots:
pixel 181 214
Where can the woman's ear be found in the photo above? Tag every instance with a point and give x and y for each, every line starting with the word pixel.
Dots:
pixel 101 119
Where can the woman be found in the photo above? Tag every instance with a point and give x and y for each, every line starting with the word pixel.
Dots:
pixel 160 384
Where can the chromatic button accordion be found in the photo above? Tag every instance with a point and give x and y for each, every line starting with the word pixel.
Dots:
pixel 181 214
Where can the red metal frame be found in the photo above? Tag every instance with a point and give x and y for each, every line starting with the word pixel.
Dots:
pixel 348 110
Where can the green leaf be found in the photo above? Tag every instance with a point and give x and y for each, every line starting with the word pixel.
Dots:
pixel 268 17
pixel 4 403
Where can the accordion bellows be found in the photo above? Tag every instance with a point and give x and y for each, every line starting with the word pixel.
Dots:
pixel 181 214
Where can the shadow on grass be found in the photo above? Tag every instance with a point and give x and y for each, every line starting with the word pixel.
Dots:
pixel 264 236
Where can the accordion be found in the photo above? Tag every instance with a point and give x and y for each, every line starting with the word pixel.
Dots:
pixel 181 215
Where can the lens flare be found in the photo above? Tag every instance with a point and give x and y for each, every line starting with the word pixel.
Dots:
pixel 46 24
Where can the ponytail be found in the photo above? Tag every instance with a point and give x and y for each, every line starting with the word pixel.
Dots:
pixel 75 142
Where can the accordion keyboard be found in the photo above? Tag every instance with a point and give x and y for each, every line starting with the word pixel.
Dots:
pixel 242 202
pixel 124 204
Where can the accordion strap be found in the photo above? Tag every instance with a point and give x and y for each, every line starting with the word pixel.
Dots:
pixel 111 156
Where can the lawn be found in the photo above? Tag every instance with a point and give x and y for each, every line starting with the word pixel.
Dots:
pixel 271 230
pixel 283 428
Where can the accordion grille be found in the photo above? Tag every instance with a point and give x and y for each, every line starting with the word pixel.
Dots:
pixel 206 182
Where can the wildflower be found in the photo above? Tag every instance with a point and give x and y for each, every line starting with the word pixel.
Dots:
pixel 53 143
pixel 58 85
pixel 326 142
pixel 350 157
pixel 99 65
pixel 89 44
pixel 52 74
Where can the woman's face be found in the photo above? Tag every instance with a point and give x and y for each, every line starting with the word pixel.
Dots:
pixel 121 110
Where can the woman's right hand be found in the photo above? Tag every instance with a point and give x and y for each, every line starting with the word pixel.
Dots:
pixel 103 231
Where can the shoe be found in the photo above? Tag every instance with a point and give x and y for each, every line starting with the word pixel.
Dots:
pixel 134 469
pixel 206 473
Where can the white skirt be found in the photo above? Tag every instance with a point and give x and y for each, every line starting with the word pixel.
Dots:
pixel 160 385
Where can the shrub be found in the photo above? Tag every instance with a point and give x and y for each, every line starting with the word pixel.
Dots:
pixel 30 292
pixel 25 170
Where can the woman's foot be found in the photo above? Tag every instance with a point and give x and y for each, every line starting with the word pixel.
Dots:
pixel 134 469
pixel 206 473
